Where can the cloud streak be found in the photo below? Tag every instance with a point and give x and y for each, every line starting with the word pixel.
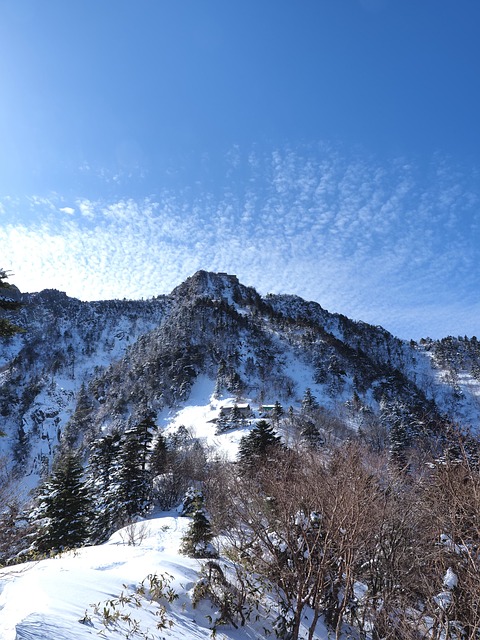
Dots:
pixel 392 244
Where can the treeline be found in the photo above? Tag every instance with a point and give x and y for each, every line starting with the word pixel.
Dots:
pixel 125 475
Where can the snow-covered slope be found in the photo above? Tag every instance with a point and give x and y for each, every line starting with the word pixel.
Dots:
pixel 77 595
pixel 43 371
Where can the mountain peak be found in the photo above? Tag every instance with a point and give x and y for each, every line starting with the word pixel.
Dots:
pixel 212 285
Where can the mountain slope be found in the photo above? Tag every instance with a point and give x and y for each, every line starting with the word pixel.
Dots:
pixel 83 368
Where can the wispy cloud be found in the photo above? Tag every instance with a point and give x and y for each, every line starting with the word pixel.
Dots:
pixel 393 244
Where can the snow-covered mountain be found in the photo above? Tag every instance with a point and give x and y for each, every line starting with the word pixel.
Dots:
pixel 83 368
pixel 204 364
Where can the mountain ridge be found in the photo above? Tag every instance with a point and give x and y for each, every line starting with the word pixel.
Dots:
pixel 85 368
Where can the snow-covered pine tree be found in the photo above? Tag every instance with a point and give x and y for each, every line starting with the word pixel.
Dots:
pixel 256 445
pixel 103 467
pixel 309 402
pixel 144 433
pixel 197 541
pixel 397 418
pixel 63 513
pixel 192 498
pixel 81 420
pixel 236 416
pixel 133 480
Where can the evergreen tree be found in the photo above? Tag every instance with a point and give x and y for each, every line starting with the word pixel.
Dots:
pixel 103 468
pixel 277 412
pixel 309 402
pixel 221 380
pixel 159 456
pixel 144 434
pixel 131 487
pixel 180 438
pixel 64 509
pixel 197 541
pixel 399 442
pixel 223 423
pixel 291 415
pixel 256 445
pixel 190 501
pixel 133 482
pixel 396 416
pixel 236 416
pixel 81 419
pixel 9 301
pixel 310 434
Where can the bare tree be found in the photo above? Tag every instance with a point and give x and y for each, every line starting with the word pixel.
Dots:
pixel 306 542
pixel 344 537
pixel 452 504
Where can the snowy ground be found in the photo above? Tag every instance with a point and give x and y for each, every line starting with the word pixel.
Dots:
pixel 47 600
pixel 199 417
pixel 200 412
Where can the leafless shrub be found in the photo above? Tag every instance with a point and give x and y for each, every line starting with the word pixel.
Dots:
pixel 135 533
pixel 452 505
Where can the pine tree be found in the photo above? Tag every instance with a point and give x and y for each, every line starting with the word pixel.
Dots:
pixel 180 438
pixel 144 433
pixel 103 468
pixel 197 541
pixel 310 434
pixel 9 301
pixel 133 481
pixel 399 442
pixel 397 418
pixel 131 488
pixel 256 445
pixel 277 412
pixel 64 509
pixel 309 402
pixel 192 498
pixel 81 419
pixel 236 416
pixel 220 382
pixel 159 456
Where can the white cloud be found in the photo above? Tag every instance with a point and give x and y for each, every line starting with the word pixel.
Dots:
pixel 373 242
pixel 68 210
pixel 86 209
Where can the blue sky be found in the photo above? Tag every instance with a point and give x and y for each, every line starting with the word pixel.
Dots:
pixel 327 148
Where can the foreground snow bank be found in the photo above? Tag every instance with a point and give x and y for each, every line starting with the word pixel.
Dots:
pixel 93 590
pixel 47 599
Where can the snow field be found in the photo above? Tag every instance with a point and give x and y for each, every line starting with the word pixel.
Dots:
pixel 46 600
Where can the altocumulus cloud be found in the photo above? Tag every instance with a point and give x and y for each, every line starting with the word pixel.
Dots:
pixel 392 244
